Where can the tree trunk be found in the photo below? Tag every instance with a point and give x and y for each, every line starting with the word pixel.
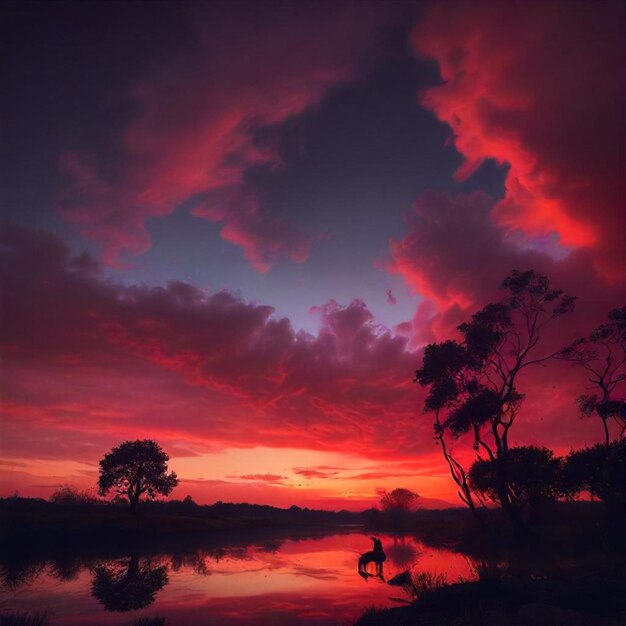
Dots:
pixel 459 476
pixel 504 496
pixel 607 437
pixel 133 566
pixel 133 498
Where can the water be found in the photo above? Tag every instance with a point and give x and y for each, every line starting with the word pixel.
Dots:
pixel 299 579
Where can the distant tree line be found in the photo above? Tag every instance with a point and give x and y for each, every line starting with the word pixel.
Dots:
pixel 472 391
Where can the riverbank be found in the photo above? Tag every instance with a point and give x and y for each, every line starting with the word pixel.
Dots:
pixel 39 526
pixel 568 570
pixel 589 598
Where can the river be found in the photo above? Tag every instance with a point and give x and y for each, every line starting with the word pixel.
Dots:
pixel 265 578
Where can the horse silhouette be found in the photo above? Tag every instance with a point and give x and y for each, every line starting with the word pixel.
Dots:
pixel 377 555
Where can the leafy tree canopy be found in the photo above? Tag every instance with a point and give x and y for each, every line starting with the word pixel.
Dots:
pixel 532 475
pixel 135 468
pixel 399 499
pixel 599 470
pixel 475 379
pixel 472 381
pixel 131 587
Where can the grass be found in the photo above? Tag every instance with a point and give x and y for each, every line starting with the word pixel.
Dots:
pixel 31 618
pixel 149 621
pixel 571 601
pixel 372 617
pixel 425 582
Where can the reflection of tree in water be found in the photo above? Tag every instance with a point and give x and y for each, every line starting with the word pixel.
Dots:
pixel 531 563
pixel 20 569
pixel 17 573
pixel 237 552
pixel 67 568
pixel 128 586
pixel 196 560
pixel 199 559
pixel 271 546
pixel 402 553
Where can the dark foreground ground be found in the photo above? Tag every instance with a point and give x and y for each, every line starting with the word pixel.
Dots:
pixel 569 570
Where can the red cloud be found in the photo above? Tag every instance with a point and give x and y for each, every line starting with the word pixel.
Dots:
pixel 453 253
pixel 67 335
pixel 378 475
pixel 194 135
pixel 87 362
pixel 311 472
pixel 456 256
pixel 541 87
pixel 264 478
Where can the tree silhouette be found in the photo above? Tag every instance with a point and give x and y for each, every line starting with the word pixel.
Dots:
pixel 603 357
pixel 397 505
pixel 399 499
pixel 600 470
pixel 135 468
pixel 533 476
pixel 128 586
pixel 472 383
pixel 441 363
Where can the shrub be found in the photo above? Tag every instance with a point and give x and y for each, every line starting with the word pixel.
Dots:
pixel 532 474
pixel 70 495
pixel 600 470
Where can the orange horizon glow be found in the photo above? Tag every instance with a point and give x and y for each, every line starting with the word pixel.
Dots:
pixel 325 480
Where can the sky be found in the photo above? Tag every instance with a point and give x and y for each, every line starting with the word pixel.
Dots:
pixel 232 227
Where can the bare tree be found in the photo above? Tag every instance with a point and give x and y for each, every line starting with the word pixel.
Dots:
pixel 603 357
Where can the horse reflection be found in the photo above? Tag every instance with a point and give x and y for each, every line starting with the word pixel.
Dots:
pixel 377 556
pixel 127 587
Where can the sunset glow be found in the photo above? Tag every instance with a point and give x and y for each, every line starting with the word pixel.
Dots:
pixel 232 229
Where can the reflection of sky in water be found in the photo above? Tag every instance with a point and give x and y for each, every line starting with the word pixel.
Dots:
pixel 307 581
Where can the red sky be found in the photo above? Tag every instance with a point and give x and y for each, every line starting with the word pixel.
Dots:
pixel 238 244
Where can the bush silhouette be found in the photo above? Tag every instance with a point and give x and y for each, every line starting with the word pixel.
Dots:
pixel 69 495
pixel 532 475
pixel 599 470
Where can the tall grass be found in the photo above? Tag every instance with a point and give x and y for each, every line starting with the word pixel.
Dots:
pixel 425 582
pixel 149 621
pixel 30 618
